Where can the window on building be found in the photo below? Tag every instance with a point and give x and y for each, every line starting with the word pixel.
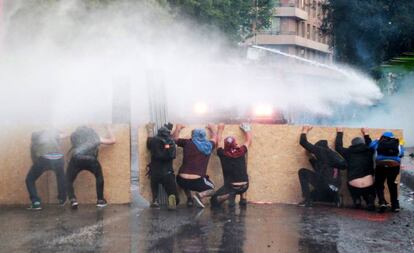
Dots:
pixel 314 34
pixel 314 8
pixel 303 29
pixel 308 31
pixel 275 27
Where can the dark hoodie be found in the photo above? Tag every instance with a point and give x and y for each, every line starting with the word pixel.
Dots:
pixel 359 158
pixel 327 161
pixel 163 151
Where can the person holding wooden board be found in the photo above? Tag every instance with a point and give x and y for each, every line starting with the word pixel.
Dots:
pixel 233 162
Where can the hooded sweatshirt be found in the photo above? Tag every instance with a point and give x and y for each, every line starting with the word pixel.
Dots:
pixel 163 151
pixel 327 162
pixel 359 158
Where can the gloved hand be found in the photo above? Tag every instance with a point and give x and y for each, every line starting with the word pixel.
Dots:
pixel 246 127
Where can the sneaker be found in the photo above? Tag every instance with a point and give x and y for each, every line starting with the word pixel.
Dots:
pixel 101 203
pixel 155 204
pixel 74 203
pixel 35 206
pixel 190 203
pixel 395 208
pixel 198 201
pixel 305 203
pixel 243 202
pixel 172 202
pixel 383 207
pixel 232 201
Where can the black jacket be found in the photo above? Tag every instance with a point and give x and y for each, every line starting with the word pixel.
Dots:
pixel 359 158
pixel 162 154
pixel 327 161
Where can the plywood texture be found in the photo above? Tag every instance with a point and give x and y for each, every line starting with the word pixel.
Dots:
pixel 16 162
pixel 273 160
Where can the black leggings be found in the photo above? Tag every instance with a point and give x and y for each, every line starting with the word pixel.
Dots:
pixel 38 168
pixel 230 190
pixel 167 181
pixel 367 193
pixel 321 191
pixel 390 174
pixel 89 163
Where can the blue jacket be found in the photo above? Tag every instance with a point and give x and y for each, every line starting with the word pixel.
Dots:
pixel 374 145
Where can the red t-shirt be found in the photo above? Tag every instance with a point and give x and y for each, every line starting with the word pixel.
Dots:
pixel 194 162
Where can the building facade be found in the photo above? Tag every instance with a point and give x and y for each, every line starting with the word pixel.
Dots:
pixel 295 30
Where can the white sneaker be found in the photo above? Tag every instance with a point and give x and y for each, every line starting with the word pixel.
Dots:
pixel 197 200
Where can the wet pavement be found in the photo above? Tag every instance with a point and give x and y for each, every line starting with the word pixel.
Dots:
pixel 257 228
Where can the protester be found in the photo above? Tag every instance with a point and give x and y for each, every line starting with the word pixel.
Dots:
pixel 163 152
pixel 360 168
pixel 233 163
pixel 387 167
pixel 85 148
pixel 192 173
pixel 46 153
pixel 325 178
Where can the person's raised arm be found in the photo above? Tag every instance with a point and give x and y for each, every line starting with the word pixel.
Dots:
pixel 213 133
pixel 247 130
pixel 110 140
pixel 339 146
pixel 365 133
pixel 220 129
pixel 304 140
pixel 150 133
pixel 177 131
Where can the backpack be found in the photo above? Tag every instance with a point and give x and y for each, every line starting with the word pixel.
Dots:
pixel 44 142
pixel 163 149
pixel 388 146
pixel 85 141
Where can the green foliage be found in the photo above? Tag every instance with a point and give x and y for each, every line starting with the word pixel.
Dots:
pixel 235 18
pixel 365 33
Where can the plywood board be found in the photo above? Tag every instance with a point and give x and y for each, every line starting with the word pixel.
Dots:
pixel 16 162
pixel 273 160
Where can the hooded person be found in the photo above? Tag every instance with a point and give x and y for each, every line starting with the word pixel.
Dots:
pixel 233 163
pixel 388 153
pixel 163 152
pixel 192 175
pixel 325 177
pixel 360 176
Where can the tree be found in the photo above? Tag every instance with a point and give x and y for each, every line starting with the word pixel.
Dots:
pixel 235 18
pixel 365 33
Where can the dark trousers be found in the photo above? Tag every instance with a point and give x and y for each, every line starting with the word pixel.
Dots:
pixel 382 173
pixel 367 193
pixel 38 168
pixel 230 190
pixel 321 191
pixel 89 163
pixel 167 181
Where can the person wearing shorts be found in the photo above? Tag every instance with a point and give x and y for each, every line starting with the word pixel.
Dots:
pixel 192 175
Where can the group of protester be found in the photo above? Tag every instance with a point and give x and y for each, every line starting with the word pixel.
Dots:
pixel 47 154
pixel 192 175
pixel 368 163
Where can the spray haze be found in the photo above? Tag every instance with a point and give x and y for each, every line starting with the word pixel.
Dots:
pixel 61 60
